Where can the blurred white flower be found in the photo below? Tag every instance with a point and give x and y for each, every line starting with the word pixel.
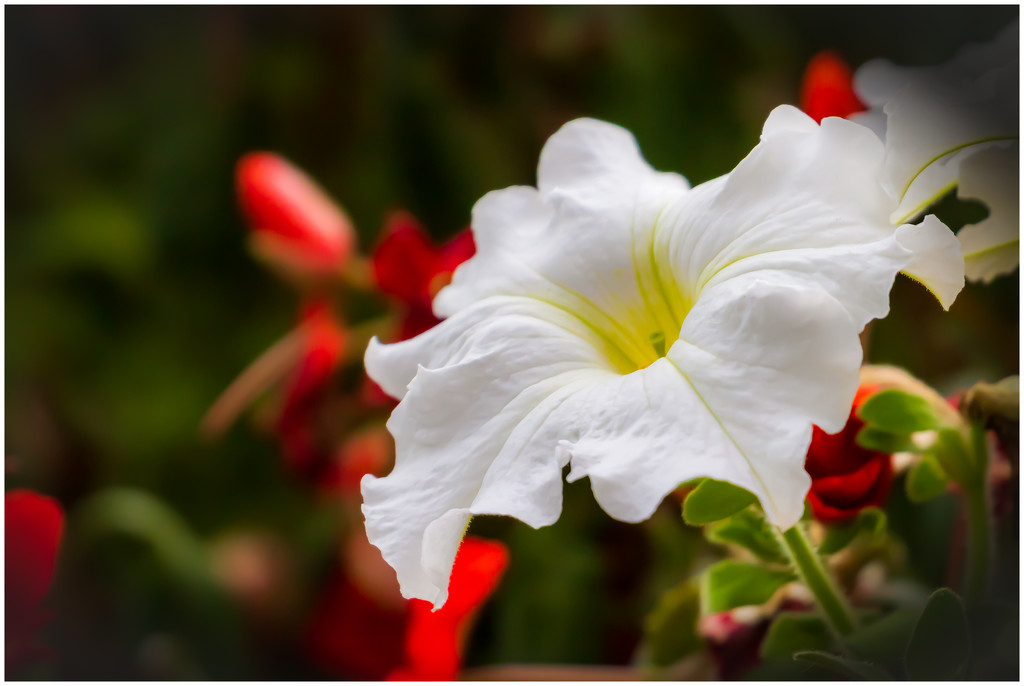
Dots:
pixel 644 334
pixel 954 123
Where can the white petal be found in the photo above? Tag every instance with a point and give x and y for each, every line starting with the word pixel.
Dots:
pixel 878 81
pixel 873 119
pixel 803 186
pixel 934 258
pixel 807 203
pixel 574 242
pixel 992 246
pixel 937 116
pixel 462 432
pixel 927 121
pixel 734 400
pixel 769 359
pixel 596 159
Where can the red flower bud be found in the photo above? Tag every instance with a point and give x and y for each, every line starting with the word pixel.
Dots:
pixel 292 219
pixel 846 478
pixel 827 89
pixel 33 525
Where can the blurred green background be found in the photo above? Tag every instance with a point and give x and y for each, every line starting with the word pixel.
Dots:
pixel 131 301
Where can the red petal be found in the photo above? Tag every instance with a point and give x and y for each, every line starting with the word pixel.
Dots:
pixel 295 215
pixel 416 320
pixel 845 490
pixel 458 250
pixel 324 347
pixel 32 530
pixel 352 637
pixel 405 261
pixel 824 512
pixel 435 640
pixel 33 526
pixel 827 89
pixel 835 454
pixel 837 505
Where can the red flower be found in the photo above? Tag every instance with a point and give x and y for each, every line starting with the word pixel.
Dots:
pixel 434 641
pixel 353 637
pixel 846 478
pixel 32 530
pixel 827 89
pixel 354 634
pixel 323 347
pixel 408 267
pixel 292 219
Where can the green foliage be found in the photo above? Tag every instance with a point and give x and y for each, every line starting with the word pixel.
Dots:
pixel 874 438
pixel 728 584
pixel 714 500
pixel 926 479
pixel 940 647
pixel 857 670
pixel 952 453
pixel 795 631
pixel 898 412
pixel 870 520
pixel 749 529
pixel 136 514
pixel 670 630
pixel 884 640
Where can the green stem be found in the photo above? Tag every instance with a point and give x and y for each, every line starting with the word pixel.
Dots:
pixel 817 578
pixel 979 521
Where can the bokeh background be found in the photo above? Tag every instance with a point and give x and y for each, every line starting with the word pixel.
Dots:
pixel 131 301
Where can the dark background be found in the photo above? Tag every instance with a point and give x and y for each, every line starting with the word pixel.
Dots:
pixel 131 301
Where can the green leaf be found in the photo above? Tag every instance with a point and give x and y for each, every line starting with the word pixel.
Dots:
pixel 748 529
pixel 885 442
pixel 728 584
pixel 869 520
pixel 795 631
pixel 844 666
pixel 926 479
pixel 898 412
pixel 940 647
pixel 952 453
pixel 884 640
pixel 714 500
pixel 137 514
pixel 670 630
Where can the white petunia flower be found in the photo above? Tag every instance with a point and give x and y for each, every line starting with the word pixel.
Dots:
pixel 954 123
pixel 644 334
